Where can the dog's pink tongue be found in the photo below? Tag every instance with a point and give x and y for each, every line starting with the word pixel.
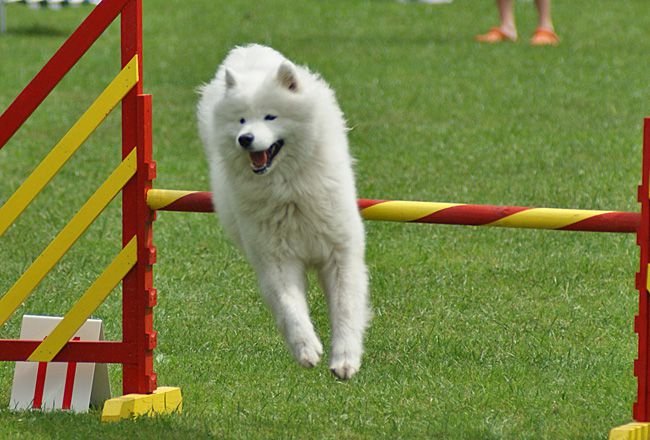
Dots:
pixel 258 159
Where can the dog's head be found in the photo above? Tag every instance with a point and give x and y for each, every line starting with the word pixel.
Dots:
pixel 264 114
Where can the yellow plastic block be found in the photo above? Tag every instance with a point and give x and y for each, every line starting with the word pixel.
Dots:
pixel 165 400
pixel 158 402
pixel 112 411
pixel 126 407
pixel 172 398
pixel 631 431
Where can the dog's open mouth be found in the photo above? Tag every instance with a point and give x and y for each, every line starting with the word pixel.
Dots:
pixel 261 160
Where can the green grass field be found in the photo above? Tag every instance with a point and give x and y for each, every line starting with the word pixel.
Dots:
pixel 478 333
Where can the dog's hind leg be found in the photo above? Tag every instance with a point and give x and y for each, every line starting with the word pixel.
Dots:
pixel 345 281
pixel 283 288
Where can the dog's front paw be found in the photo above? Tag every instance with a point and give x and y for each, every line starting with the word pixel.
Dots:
pixel 308 353
pixel 344 366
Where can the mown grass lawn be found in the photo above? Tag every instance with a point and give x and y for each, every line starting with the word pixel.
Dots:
pixel 478 333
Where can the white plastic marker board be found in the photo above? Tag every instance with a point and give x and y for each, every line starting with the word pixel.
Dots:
pixel 59 385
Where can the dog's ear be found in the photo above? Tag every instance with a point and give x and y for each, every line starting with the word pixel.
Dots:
pixel 287 77
pixel 231 80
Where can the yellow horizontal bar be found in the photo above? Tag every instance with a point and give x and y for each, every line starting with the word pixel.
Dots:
pixel 20 291
pixel 70 143
pixel 159 198
pixel 87 304
pixel 545 218
pixel 403 211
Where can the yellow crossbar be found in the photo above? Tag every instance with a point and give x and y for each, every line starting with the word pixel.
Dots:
pixel 87 304
pixel 20 291
pixel 70 143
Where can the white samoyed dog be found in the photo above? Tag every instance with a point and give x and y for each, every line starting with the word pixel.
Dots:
pixel 284 190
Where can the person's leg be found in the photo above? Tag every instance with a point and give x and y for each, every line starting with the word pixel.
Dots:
pixel 545 33
pixel 507 31
pixel 507 17
pixel 544 10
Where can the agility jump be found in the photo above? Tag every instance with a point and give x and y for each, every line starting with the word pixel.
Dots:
pixel 440 213
pixel 134 264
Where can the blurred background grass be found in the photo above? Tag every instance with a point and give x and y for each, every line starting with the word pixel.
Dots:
pixel 478 334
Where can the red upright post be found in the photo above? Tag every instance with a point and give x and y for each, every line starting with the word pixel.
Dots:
pixel 641 411
pixel 138 294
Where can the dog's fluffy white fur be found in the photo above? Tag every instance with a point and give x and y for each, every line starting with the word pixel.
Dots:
pixel 281 174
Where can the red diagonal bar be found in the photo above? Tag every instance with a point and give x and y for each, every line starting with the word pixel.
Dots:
pixel 56 68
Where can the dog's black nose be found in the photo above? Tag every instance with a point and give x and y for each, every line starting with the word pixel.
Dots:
pixel 246 140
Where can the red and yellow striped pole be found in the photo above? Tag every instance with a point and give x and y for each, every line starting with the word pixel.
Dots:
pixel 440 213
pixel 174 200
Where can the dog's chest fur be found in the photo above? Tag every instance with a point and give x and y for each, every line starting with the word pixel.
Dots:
pixel 302 227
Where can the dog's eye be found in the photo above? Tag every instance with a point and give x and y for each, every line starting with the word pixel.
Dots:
pixel 270 117
pixel 242 121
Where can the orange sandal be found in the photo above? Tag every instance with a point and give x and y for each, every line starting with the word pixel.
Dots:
pixel 494 35
pixel 544 37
